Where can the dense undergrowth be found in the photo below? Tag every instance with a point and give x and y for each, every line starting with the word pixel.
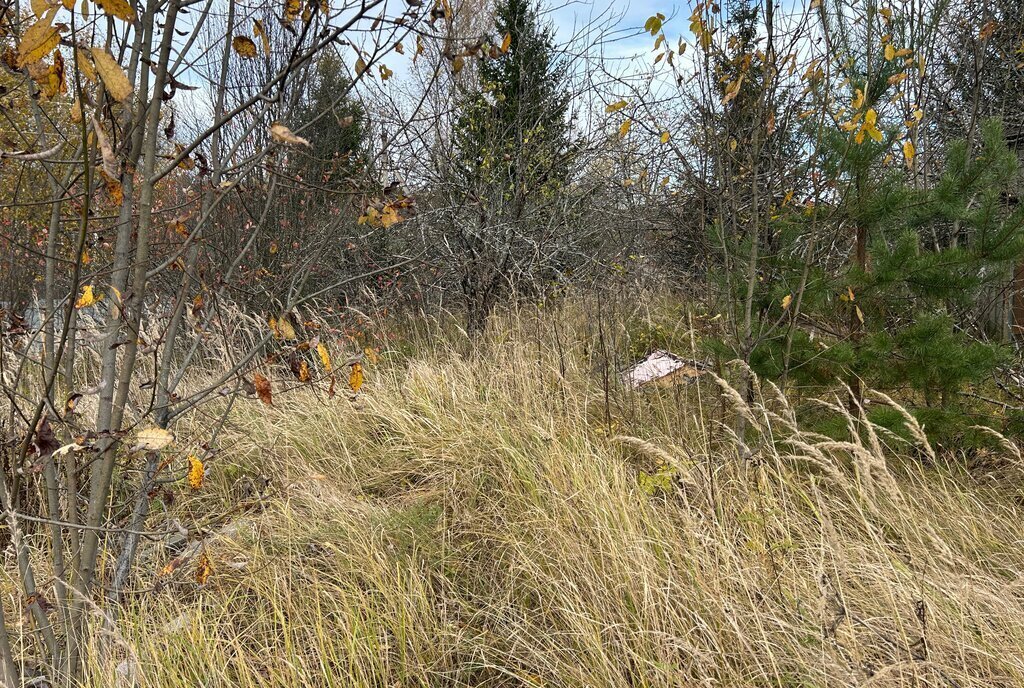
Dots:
pixel 499 515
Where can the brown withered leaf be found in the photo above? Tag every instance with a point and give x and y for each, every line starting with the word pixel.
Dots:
pixel 280 132
pixel 44 442
pixel 115 192
pixel 39 600
pixel 153 439
pixel 106 152
pixel 171 566
pixel 169 129
pixel 299 368
pixel 260 32
pixel 263 390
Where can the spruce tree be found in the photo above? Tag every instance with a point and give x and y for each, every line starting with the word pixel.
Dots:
pixel 512 151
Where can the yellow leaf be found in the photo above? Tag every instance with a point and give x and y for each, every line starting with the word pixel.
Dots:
pixel 355 377
pixel 282 328
pixel 360 66
pixel 153 439
pixel 203 569
pixel 261 33
pixel 506 42
pixel 51 80
pixel 325 356
pixel 291 10
pixel 732 144
pixel 389 216
pixel 615 107
pixel 303 373
pixel 87 297
pixel 869 128
pixel 665 136
pixel 244 46
pixel 196 472
pixel 117 8
pixel 458 63
pixel 38 40
pixel 858 99
pixel 85 66
pixel 860 314
pixel 625 127
pixel 890 52
pixel 705 40
pixel 653 24
pixel 918 114
pixel 732 90
pixel 114 78
pixel 786 300
pixel 385 73
pixel 39 7
pixel 908 152
pixel 280 132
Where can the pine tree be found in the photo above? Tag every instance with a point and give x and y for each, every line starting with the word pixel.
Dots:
pixel 895 311
pixel 928 256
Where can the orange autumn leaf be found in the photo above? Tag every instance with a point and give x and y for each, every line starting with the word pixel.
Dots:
pixel 196 472
pixel 356 377
pixel 263 390
pixel 203 569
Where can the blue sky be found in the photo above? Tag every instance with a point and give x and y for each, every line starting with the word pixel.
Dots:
pixel 622 21
pixel 573 13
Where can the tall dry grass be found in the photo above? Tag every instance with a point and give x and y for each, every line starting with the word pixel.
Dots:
pixel 498 517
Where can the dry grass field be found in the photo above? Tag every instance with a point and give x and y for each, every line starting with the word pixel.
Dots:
pixel 494 518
